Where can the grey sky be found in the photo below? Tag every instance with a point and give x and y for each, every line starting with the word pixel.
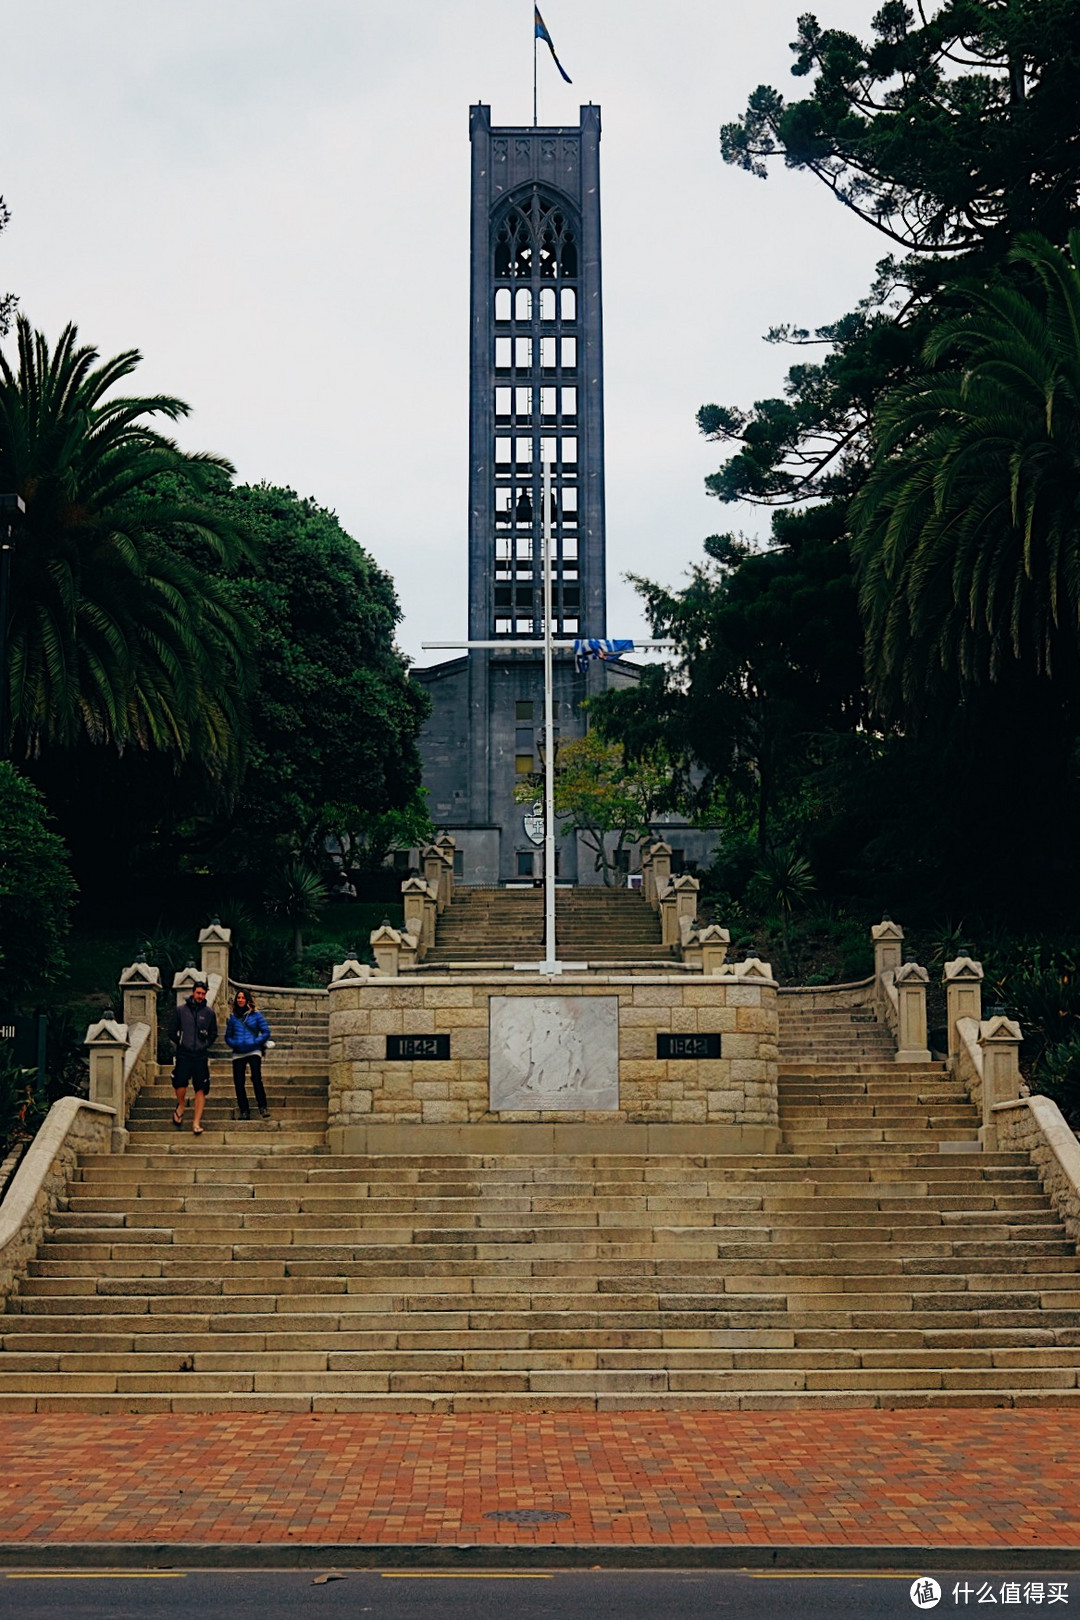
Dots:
pixel 269 198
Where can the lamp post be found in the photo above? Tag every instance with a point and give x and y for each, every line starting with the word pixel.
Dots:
pixel 12 507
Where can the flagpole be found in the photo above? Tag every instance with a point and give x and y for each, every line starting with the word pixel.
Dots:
pixel 534 70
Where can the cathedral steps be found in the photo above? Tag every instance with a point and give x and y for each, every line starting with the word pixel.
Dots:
pixel 874 1261
pixel 507 925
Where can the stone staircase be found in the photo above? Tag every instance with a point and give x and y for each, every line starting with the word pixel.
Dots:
pixel 490 925
pixel 875 1261
pixel 607 925
pixel 507 925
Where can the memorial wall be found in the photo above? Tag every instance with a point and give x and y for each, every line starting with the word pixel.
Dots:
pixel 518 1062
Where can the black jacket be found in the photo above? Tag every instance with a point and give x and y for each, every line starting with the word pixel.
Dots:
pixel 194 1029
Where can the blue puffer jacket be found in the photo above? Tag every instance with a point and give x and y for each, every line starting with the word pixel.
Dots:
pixel 247 1034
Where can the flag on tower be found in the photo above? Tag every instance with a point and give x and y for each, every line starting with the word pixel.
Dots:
pixel 542 33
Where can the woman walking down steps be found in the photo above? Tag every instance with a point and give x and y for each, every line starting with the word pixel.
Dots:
pixel 246 1035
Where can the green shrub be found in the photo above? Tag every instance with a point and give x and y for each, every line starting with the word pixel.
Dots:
pixel 22 1107
pixel 1056 1075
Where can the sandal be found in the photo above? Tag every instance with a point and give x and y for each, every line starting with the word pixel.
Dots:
pixel 178 1120
pixel 196 1130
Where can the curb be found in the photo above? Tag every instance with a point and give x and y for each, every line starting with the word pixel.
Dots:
pixel 432 1555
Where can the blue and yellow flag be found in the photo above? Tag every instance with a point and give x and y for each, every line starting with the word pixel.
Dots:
pixel 542 33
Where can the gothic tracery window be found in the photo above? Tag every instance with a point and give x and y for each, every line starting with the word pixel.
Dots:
pixel 536 238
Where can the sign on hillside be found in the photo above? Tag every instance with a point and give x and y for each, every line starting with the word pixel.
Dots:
pixel 22 1041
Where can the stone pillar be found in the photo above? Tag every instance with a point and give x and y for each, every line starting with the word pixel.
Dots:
pixel 660 867
pixel 888 939
pixel 420 911
pixel 215 942
pixel 963 996
pixel 686 890
pixel 447 847
pixel 648 887
pixel 139 985
pixel 714 944
pixel 186 980
pixel 999 1038
pixel 434 867
pixel 669 917
pixel 409 951
pixel 911 981
pixel 108 1043
pixel 431 917
pixel 386 943
pixel 346 1023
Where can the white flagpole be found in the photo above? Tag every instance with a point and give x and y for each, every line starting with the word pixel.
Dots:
pixel 551 963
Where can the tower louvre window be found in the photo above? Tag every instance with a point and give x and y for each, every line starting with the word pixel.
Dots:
pixel 535 238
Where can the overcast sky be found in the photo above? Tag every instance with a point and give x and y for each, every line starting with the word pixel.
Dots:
pixel 269 198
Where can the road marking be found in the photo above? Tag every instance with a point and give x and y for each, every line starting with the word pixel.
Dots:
pixel 824 1575
pixel 456 1575
pixel 102 1575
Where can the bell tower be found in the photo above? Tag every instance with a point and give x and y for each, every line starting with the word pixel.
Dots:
pixel 536 395
pixel 536 388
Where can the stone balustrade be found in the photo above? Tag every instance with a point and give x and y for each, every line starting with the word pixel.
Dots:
pixel 71 1127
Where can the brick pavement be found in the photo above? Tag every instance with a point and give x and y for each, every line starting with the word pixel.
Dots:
pixel 956 1477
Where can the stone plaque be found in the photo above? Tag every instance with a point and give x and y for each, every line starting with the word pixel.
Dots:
pixel 554 1053
pixel 417 1048
pixel 688 1046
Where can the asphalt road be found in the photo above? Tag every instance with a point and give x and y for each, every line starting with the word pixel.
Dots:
pixel 548 1595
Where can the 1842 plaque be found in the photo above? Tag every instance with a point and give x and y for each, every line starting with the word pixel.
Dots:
pixel 417 1048
pixel 688 1046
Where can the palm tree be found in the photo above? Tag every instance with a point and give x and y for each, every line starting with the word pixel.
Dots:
pixel 116 631
pixel 967 533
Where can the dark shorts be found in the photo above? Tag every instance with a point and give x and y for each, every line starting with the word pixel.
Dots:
pixel 192 1069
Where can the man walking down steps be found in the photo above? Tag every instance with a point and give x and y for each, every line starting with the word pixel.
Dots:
pixel 194 1031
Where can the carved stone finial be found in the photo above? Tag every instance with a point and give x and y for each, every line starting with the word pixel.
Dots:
pixel 911 973
pixel 351 971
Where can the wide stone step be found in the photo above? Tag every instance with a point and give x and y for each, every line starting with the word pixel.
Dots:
pixel 931 1366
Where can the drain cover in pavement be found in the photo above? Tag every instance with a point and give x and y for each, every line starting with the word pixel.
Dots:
pixel 526 1515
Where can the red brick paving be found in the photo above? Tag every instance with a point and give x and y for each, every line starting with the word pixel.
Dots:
pixel 960 1477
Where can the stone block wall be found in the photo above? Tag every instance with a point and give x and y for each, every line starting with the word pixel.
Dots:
pixel 277 999
pixel 737 1091
pixel 1035 1125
